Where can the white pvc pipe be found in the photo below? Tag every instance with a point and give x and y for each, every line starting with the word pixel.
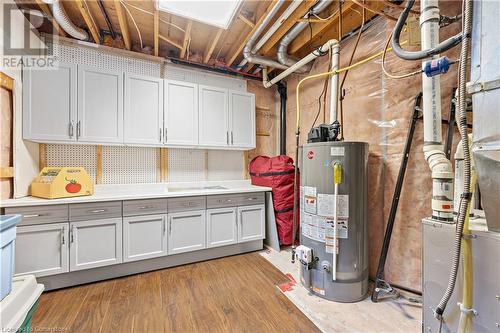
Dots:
pixel 334 84
pixel 442 172
pixel 332 43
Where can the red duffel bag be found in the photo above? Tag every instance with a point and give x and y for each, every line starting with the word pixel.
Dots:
pixel 278 173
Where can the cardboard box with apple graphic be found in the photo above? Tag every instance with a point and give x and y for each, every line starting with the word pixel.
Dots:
pixel 53 182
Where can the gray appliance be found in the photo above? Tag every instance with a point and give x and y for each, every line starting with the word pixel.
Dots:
pixel 438 240
pixel 347 281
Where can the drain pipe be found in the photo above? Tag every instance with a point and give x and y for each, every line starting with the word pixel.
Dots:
pixel 283 95
pixel 282 53
pixel 332 44
pixel 65 22
pixel 442 171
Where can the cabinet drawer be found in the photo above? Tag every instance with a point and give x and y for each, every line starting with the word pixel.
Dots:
pixel 40 214
pixel 144 207
pixel 186 204
pixel 92 211
pixel 233 200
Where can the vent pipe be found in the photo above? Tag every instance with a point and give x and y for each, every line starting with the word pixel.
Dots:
pixel 64 21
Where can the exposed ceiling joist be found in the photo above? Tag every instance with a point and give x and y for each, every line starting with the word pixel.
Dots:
pixel 239 47
pixel 246 20
pixel 122 21
pixel 317 30
pixel 46 10
pixel 170 41
pixel 211 46
pixel 286 25
pixel 89 20
pixel 187 36
pixel 156 31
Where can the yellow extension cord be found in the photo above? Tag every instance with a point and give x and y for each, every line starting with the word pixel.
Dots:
pixel 334 72
pixel 466 323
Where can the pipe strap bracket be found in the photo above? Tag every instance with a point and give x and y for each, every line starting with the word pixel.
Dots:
pixel 467 311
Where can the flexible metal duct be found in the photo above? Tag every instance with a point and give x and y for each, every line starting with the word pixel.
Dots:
pixel 282 54
pixel 249 51
pixel 64 21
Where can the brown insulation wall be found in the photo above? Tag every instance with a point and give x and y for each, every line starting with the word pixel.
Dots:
pixel 6 184
pixel 377 110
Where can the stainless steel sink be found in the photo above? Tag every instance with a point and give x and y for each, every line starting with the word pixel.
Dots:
pixel 195 188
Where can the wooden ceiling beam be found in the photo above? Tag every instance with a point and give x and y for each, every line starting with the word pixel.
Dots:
pixel 211 46
pixel 170 41
pixel 299 13
pixel 156 31
pixel 46 10
pixel 187 36
pixel 246 20
pixel 89 20
pixel 305 37
pixel 239 47
pixel 122 21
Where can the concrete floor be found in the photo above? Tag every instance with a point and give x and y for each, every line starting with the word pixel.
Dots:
pixel 365 316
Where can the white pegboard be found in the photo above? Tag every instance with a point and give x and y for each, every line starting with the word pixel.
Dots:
pixel 72 156
pixel 186 165
pixel 129 165
pixel 225 165
pixel 175 72
pixel 104 58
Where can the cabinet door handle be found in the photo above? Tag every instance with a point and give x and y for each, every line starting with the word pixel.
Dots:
pixel 63 241
pixel 231 137
pixel 166 134
pixel 170 227
pixel 73 234
pixel 163 225
pixel 161 133
pixel 98 211
pixel 78 129
pixel 70 125
pixel 227 138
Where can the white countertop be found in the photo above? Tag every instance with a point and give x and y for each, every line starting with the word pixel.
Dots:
pixel 145 191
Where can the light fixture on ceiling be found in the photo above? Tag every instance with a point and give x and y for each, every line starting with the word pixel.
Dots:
pixel 218 13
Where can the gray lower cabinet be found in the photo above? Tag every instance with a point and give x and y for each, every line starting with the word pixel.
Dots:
pixel 95 243
pixel 144 237
pixel 251 225
pixel 42 249
pixel 186 231
pixel 222 227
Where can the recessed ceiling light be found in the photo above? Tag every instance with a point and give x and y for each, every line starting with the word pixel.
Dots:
pixel 218 13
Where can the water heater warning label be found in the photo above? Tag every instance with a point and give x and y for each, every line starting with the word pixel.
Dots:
pixel 321 228
pixel 326 205
pixel 310 199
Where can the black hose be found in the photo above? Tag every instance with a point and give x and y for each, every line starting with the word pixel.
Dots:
pixel 417 55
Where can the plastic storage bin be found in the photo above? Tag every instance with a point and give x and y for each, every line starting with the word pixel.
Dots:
pixel 16 310
pixel 7 241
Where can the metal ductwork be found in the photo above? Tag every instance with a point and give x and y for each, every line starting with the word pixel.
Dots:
pixel 64 21
pixel 282 54
pixel 249 51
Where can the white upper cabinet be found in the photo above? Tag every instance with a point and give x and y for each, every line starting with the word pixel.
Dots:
pixel 181 113
pixel 214 117
pixel 143 115
pixel 49 103
pixel 242 119
pixel 100 105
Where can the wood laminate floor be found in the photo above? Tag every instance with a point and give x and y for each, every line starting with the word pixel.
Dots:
pixel 232 294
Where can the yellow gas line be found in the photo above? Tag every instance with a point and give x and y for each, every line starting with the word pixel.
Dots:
pixel 334 72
